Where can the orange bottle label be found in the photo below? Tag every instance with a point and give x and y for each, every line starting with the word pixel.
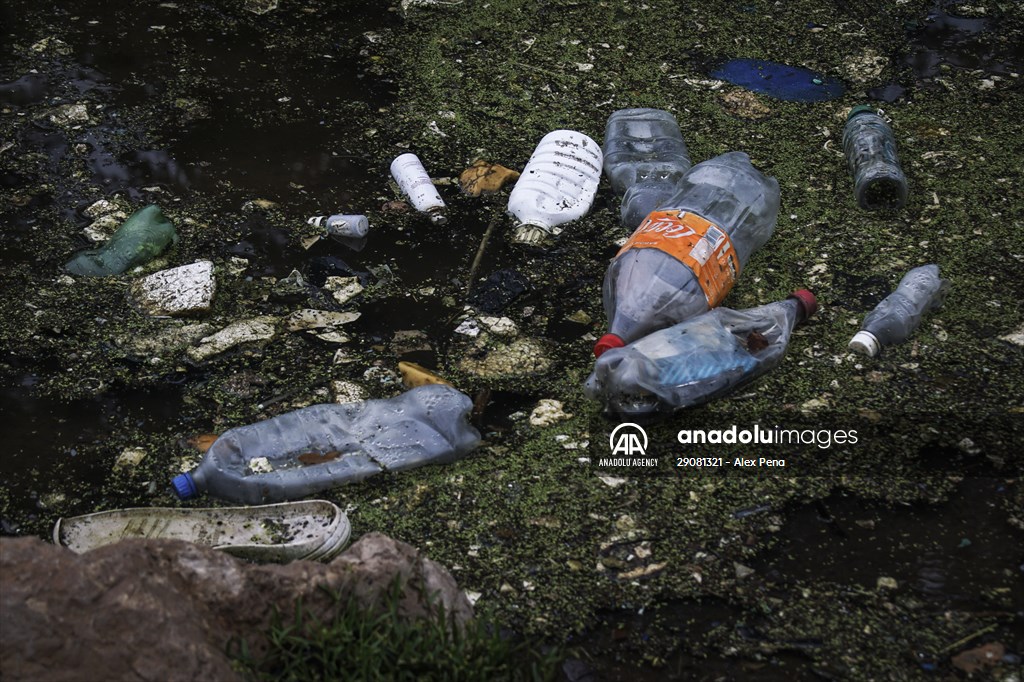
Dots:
pixel 698 243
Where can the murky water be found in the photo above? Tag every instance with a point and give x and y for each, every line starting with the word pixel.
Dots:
pixel 217 143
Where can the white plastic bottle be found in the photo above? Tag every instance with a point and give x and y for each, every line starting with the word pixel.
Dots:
pixel 684 259
pixel 645 157
pixel 557 186
pixel 319 447
pixel 347 226
pixel 898 315
pixel 412 179
pixel 697 360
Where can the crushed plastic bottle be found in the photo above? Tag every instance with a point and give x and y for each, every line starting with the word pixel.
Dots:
pixel 698 360
pixel 345 226
pixel 645 157
pixel 322 446
pixel 140 239
pixel 870 148
pixel 557 186
pixel 412 179
pixel 898 315
pixel 684 258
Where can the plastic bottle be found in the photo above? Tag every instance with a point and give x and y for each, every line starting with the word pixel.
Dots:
pixel 898 315
pixel 414 182
pixel 870 148
pixel 322 446
pixel 140 239
pixel 346 226
pixel 683 259
pixel 556 187
pixel 644 158
pixel 698 360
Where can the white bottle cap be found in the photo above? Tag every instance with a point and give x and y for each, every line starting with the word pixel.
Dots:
pixel 865 343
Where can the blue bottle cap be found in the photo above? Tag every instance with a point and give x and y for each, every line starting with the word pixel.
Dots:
pixel 184 486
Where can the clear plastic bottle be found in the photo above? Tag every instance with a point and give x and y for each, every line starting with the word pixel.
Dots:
pixel 557 186
pixel 898 315
pixel 319 447
pixel 412 179
pixel 683 259
pixel 645 157
pixel 870 148
pixel 345 226
pixel 140 239
pixel 698 360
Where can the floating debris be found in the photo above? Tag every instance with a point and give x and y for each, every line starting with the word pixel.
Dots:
pixel 185 290
pixel 414 375
pixel 789 83
pixel 547 412
pixel 244 331
pixel 484 178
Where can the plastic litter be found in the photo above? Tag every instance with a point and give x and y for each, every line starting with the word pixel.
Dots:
pixel 899 314
pixel 415 183
pixel 312 530
pixel 557 186
pixel 323 446
pixel 645 157
pixel 143 237
pixel 684 258
pixel 698 360
pixel 870 147
pixel 346 226
pixel 790 83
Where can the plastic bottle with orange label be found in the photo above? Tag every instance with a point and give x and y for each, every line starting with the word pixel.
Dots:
pixel 683 259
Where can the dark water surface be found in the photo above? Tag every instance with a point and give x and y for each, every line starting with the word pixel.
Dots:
pixel 216 142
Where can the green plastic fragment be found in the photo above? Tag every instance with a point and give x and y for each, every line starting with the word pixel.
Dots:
pixel 143 237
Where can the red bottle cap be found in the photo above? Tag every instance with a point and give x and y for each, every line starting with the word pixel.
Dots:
pixel 808 303
pixel 607 342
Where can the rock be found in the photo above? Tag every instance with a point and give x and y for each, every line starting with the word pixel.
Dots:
pixel 343 289
pixel 309 318
pixel 244 331
pixel 185 290
pixel 165 609
pixel 548 412
pixel 522 358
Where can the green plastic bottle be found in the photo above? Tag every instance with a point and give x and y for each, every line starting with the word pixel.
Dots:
pixel 143 237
